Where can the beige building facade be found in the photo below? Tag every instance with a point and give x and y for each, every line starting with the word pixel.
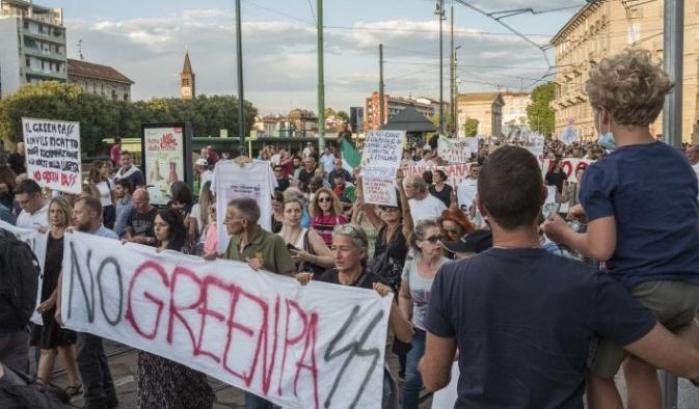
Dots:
pixel 485 107
pixel 601 29
pixel 514 113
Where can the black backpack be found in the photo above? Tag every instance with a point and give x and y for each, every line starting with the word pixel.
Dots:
pixel 19 281
pixel 18 391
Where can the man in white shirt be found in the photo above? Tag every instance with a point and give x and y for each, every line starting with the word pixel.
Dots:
pixel 468 188
pixel 201 167
pixel 328 161
pixel 423 205
pixel 35 208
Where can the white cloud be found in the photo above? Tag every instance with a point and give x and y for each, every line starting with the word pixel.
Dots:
pixel 280 57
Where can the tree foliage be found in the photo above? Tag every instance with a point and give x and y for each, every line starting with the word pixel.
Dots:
pixel 102 118
pixel 539 113
pixel 471 127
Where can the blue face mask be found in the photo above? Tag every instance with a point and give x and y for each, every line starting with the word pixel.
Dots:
pixel 607 141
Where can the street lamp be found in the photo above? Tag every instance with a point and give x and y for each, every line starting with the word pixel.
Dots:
pixel 440 13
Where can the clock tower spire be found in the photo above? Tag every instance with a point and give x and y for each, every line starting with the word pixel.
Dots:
pixel 187 80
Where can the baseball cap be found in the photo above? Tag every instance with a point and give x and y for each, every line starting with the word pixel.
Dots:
pixel 201 162
pixel 475 242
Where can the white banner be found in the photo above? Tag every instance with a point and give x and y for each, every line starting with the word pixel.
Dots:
pixel 454 150
pixel 231 181
pixel 258 331
pixel 569 166
pixel 37 242
pixel 163 160
pixel 381 159
pixel 456 174
pixel 53 154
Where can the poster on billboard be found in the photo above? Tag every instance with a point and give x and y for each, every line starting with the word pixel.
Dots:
pixel 166 158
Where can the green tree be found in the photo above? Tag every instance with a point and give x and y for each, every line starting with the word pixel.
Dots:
pixel 539 113
pixel 471 127
pixel 343 115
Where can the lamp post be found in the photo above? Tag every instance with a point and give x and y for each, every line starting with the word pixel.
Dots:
pixel 440 14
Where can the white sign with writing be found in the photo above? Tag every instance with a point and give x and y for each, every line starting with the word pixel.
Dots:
pixel 455 150
pixel 53 154
pixel 257 331
pixel 569 166
pixel 381 159
pixel 456 176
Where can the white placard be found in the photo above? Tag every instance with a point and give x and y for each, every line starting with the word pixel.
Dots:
pixel 455 150
pixel 258 331
pixel 53 154
pixel 231 181
pixel 456 175
pixel 569 135
pixel 381 157
pixel 37 242
pixel 569 166
pixel 163 160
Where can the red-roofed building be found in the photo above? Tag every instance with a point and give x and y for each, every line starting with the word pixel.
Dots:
pixel 100 80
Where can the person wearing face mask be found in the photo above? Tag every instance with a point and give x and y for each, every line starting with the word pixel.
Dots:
pixel 640 203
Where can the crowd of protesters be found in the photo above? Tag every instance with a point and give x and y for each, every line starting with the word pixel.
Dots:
pixel 481 283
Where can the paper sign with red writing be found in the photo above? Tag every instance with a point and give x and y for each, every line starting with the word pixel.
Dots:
pixel 53 154
pixel 570 167
pixel 311 347
pixel 381 158
pixel 164 159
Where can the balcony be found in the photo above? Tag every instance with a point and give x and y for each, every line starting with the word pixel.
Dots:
pixel 36 52
pixel 60 39
pixel 46 74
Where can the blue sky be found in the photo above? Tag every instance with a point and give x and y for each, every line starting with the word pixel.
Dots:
pixel 146 41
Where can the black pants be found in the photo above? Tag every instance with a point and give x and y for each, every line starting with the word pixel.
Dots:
pixel 109 216
pixel 94 371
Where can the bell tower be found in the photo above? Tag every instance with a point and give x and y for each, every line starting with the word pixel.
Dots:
pixel 187 80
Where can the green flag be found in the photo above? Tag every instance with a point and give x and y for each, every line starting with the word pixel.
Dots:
pixel 350 156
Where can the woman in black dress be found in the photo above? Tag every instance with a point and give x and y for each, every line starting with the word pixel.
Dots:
pixel 163 384
pixel 50 338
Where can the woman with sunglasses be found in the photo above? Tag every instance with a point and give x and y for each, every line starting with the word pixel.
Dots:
pixel 326 213
pixel 306 247
pixel 416 283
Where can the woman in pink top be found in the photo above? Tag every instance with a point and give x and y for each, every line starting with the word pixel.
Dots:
pixel 326 211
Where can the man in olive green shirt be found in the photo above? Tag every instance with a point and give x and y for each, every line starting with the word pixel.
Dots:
pixel 251 243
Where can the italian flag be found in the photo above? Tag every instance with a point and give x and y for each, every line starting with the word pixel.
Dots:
pixel 350 156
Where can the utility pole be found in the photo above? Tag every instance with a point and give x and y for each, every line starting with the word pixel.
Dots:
pixel 673 58
pixel 453 75
pixel 455 102
pixel 381 89
pixel 321 79
pixel 440 14
pixel 241 99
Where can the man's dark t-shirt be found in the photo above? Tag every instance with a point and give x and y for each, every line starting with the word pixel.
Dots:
pixel 366 280
pixel 524 321
pixel 18 163
pixel 305 177
pixel 282 184
pixel 141 224
pixel 556 179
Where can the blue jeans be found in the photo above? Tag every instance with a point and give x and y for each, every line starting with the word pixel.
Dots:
pixel 413 381
pixel 253 401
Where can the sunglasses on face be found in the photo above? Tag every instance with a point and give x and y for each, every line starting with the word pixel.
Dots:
pixel 388 209
pixel 434 239
pixel 324 199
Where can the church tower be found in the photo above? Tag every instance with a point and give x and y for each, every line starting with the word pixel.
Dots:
pixel 187 88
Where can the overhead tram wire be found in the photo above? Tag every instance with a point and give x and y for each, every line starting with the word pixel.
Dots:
pixel 281 13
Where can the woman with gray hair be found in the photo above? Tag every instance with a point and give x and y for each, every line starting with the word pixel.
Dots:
pixel 350 252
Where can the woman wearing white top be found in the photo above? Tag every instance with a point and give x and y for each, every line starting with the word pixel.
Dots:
pixel 99 179
pixel 306 246
pixel 416 283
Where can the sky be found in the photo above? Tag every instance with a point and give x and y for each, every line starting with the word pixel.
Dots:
pixel 147 40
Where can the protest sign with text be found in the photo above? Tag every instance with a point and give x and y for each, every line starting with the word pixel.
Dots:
pixel 454 150
pixel 258 331
pixel 232 181
pixel 53 154
pixel 37 242
pixel 381 158
pixel 456 175
pixel 569 166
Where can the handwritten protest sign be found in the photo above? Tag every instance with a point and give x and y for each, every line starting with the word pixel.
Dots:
pixel 569 166
pixel 231 181
pixel 53 154
pixel 164 159
pixel 258 331
pixel 37 242
pixel 380 160
pixel 454 150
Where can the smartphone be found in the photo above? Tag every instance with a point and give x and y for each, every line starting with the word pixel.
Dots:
pixel 292 248
pixel 550 209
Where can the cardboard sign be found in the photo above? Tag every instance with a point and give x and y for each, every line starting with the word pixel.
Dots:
pixel 455 150
pixel 53 154
pixel 569 167
pixel 257 331
pixel 381 159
